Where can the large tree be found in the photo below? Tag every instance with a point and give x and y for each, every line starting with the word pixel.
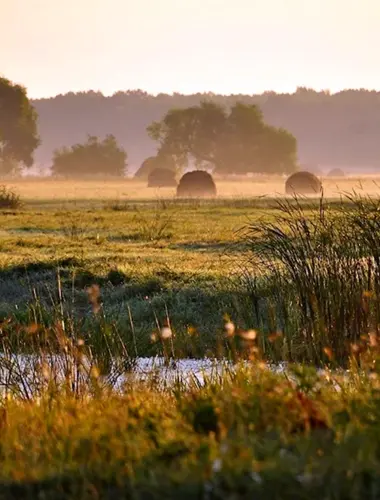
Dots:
pixel 93 157
pixel 18 127
pixel 238 141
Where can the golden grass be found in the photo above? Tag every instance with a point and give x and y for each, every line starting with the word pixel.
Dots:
pixel 129 189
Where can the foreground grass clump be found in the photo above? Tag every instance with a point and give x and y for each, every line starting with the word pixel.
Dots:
pixel 315 275
pixel 9 198
pixel 249 433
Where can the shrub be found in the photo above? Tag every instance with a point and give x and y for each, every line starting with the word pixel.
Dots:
pixel 303 183
pixel 196 183
pixel 8 198
pixel 162 177
pixel 94 157
pixel 336 172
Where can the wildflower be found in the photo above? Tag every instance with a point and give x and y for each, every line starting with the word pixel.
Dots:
pixel 94 297
pixel 372 339
pixel 153 337
pixel 94 372
pixel 274 336
pixel 229 328
pixel 191 331
pixel 80 342
pixel 248 335
pixel 255 476
pixel 329 353
pixel 166 333
pixel 217 465
pixel 45 370
pixel 33 328
pixel 356 349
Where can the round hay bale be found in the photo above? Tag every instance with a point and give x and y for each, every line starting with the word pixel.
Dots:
pixel 303 183
pixel 146 168
pixel 196 184
pixel 336 172
pixel 162 177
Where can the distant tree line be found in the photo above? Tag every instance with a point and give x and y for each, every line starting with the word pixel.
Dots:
pixel 341 129
pixel 87 133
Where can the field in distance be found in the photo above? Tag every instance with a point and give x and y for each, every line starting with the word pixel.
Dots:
pixel 37 189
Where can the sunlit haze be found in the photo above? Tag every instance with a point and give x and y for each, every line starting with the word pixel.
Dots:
pixel 223 46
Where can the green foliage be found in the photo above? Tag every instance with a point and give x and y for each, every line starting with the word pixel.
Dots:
pixel 94 157
pixel 18 127
pixel 237 142
pixel 248 433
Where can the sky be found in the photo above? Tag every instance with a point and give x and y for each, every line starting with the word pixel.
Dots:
pixel 187 46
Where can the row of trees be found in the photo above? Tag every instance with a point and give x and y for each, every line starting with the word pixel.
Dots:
pixel 206 136
pixel 339 129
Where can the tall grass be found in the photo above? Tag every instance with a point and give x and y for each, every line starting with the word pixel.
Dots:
pixel 319 269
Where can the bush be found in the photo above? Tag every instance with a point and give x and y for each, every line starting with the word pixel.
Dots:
pixel 94 157
pixel 336 172
pixel 8 198
pixel 303 183
pixel 196 183
pixel 162 177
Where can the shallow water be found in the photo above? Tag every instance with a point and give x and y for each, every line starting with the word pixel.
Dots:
pixel 29 374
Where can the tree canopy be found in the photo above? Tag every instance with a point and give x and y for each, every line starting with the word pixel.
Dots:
pixel 93 157
pixel 18 127
pixel 230 142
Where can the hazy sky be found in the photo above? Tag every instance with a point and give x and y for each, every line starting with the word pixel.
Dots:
pixel 227 46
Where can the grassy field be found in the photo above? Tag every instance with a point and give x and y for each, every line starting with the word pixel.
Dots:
pixel 102 272
pixel 158 260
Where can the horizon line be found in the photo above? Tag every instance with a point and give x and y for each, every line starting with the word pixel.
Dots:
pixel 173 93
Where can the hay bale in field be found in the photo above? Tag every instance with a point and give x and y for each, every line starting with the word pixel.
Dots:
pixel 146 168
pixel 303 183
pixel 336 172
pixel 195 184
pixel 154 162
pixel 162 177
